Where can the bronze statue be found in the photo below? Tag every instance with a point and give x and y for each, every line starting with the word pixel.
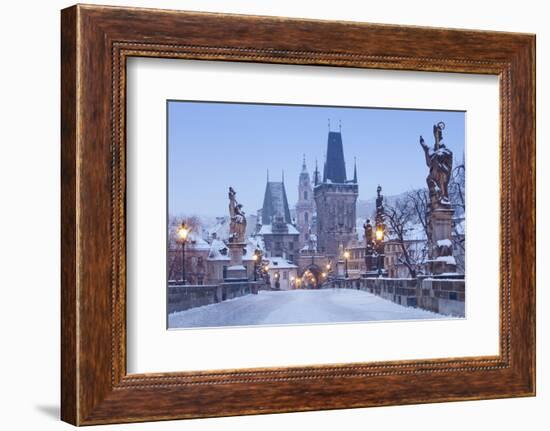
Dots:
pixel 440 161
pixel 237 225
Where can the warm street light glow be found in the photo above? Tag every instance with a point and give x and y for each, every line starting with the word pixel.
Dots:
pixel 255 257
pixel 324 274
pixel 346 254
pixel 328 266
pixel 266 267
pixel 183 231
pixel 379 234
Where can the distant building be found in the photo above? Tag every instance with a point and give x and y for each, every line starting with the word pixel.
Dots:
pixel 415 243
pixel 196 254
pixel 282 273
pixel 335 200
pixel 356 260
pixel 280 236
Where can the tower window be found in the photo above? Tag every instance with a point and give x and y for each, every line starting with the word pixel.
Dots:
pixel 305 195
pixel 306 217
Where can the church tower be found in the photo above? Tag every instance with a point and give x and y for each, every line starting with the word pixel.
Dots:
pixel 305 206
pixel 335 199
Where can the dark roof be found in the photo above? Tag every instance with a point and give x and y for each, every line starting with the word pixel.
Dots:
pixel 335 166
pixel 275 202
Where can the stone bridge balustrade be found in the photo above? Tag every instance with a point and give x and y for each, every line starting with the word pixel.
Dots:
pixel 440 295
pixel 184 297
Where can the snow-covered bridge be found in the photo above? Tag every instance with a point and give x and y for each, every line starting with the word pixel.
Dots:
pixel 297 307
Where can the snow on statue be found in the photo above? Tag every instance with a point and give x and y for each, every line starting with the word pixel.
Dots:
pixel 440 161
pixel 237 226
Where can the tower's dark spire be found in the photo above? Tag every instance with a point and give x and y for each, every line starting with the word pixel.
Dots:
pixel 304 167
pixel 335 166
pixel 267 175
pixel 355 170
pixel 283 176
pixel 275 203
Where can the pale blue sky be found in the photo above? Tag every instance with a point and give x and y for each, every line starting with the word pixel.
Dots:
pixel 212 146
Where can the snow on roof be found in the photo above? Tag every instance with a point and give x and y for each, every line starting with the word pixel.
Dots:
pixel 216 249
pixel 280 263
pixel 266 230
pixel 256 242
pixel 195 242
pixel 292 229
pixel 252 244
pixel 220 228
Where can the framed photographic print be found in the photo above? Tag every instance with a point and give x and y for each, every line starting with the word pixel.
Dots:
pixel 258 216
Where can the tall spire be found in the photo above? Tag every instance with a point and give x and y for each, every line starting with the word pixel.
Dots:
pixel 304 167
pixel 267 174
pixel 283 176
pixel 335 166
pixel 355 170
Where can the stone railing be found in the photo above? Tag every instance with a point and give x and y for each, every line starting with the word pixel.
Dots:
pixel 184 297
pixel 444 296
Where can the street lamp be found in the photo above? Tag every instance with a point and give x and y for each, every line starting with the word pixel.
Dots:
pixel 183 233
pixel 346 257
pixel 379 234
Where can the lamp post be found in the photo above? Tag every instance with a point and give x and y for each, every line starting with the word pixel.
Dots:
pixel 346 257
pixel 328 268
pixel 183 233
pixel 380 247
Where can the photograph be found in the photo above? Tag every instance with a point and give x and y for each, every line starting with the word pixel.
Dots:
pixel 298 214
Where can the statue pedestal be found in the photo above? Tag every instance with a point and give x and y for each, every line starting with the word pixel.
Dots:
pixel 236 271
pixel 441 247
pixel 371 263
pixel 340 270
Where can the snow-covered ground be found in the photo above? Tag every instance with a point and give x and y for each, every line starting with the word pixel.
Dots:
pixel 297 307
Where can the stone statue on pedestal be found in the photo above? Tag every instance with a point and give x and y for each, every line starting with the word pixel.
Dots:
pixel 237 225
pixel 440 161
